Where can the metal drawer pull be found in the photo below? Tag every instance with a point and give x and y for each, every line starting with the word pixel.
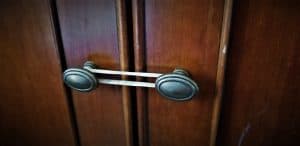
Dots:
pixel 176 85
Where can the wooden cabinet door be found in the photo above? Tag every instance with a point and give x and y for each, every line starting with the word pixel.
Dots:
pixel 184 34
pixel 262 96
pixel 95 30
pixel 33 103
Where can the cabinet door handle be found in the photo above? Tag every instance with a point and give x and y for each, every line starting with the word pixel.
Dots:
pixel 176 85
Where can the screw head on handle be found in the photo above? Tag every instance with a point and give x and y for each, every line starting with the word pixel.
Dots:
pixel 80 79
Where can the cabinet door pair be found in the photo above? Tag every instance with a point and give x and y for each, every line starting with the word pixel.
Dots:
pixel 144 36
pixel 41 38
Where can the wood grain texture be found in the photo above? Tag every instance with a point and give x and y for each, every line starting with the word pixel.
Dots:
pixel 182 34
pixel 89 32
pixel 33 104
pixel 261 102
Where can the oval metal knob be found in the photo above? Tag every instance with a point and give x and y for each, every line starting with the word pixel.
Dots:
pixel 80 79
pixel 175 86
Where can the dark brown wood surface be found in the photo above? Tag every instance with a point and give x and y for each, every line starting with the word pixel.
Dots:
pixel 89 32
pixel 33 103
pixel 262 96
pixel 181 34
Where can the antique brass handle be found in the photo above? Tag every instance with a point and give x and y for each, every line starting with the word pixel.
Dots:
pixel 176 85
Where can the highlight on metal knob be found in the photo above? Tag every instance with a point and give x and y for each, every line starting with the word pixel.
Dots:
pixel 175 86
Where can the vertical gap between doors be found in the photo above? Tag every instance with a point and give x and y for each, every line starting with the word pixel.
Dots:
pixel 63 63
pixel 132 68
pixel 125 44
pixel 139 45
pixel 131 61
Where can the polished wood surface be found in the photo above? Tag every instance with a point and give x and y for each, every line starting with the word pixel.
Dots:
pixel 89 32
pixel 33 104
pixel 261 102
pixel 182 34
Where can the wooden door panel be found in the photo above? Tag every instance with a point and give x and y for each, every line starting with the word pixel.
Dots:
pixel 182 34
pixel 33 105
pixel 261 102
pixel 89 32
